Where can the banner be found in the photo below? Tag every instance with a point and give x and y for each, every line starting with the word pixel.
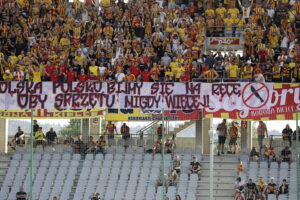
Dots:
pixel 224 41
pixel 149 115
pixel 284 100
pixel 44 114
pixel 145 96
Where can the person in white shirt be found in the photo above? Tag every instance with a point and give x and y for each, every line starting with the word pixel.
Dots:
pixel 246 9
pixel 120 76
pixel 259 77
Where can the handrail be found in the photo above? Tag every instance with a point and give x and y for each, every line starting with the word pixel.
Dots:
pixel 142 130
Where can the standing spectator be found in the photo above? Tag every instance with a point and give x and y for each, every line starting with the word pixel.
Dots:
pixel 287 136
pixel 91 145
pixel 234 134
pixel 18 139
pixel 39 138
pixel 178 197
pixel 125 131
pixel 195 167
pixel 111 130
pixel 262 131
pixel 51 138
pixel 21 195
pixel 35 127
pixel 222 134
pixel 159 131
pixel 101 144
pixel 295 135
pixel 284 187
pixel 286 155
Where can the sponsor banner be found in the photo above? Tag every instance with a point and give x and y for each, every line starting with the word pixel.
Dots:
pixel 224 41
pixel 144 96
pixel 149 115
pixel 284 100
pixel 44 114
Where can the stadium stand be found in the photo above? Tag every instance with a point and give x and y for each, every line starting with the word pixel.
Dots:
pixel 131 174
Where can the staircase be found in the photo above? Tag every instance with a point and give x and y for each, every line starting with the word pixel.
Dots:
pixel 76 181
pixel 4 165
pixel 224 177
pixel 182 127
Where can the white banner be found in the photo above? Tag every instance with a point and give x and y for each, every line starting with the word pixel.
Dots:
pixel 145 96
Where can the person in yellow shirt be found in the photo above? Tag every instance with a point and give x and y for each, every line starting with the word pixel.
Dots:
pixel 233 70
pixel 13 58
pixel 210 75
pixel 94 69
pixel 80 59
pixel 129 77
pixel 234 12
pixel 240 24
pixel 169 75
pixel 174 63
pixel 36 74
pixel 261 185
pixel 39 137
pixel 64 41
pixel 7 76
pixel 246 72
pixel 209 12
pixel 228 22
pixel 221 11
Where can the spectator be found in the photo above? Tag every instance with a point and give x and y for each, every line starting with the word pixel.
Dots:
pixel 35 127
pixel 18 139
pixel 177 164
pixel 272 187
pixel 51 138
pixel 125 131
pixel 69 141
pixel 286 155
pixel 250 187
pixel 91 145
pixel 55 198
pixel 222 134
pixel 169 146
pixel 21 195
pixel 239 196
pixel 95 196
pixel 284 187
pixel 269 154
pixel 238 186
pixel 111 130
pixel 157 146
pixel 287 136
pixel 295 135
pixel 234 134
pixel 195 168
pixel 162 179
pixel 159 131
pixel 240 168
pixel 101 144
pixel 39 138
pixel 254 155
pixel 173 178
pixel 261 185
pixel 79 145
pixel 262 131
pixel 178 197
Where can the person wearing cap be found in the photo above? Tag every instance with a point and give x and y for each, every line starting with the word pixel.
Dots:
pixel 261 185
pixel 284 187
pixel 7 76
pixel 272 187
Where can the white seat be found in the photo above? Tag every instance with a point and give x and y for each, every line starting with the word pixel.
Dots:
pixel 90 157
pixel 17 156
pixel 66 156
pixel 76 157
pixel 263 165
pixel 99 157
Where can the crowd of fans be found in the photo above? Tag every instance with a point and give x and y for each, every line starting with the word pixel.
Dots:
pixel 161 40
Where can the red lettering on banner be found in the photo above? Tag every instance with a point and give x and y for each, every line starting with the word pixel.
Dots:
pixel 224 41
pixel 226 89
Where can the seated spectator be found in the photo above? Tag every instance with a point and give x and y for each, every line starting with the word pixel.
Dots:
pixel 260 196
pixel 69 141
pixel 101 145
pixel 272 187
pixel 238 186
pixel 284 187
pixel 51 138
pixel 18 139
pixel 91 145
pixel 177 164
pixel 95 196
pixel 178 197
pixel 251 196
pixel 261 185
pixel 195 168
pixel 254 155
pixel 160 181
pixel 55 198
pixel 21 195
pixel 173 178
pixel 169 146
pixel 269 153
pixel 157 146
pixel 250 187
pixel 286 155
pixel 39 138
pixel 239 196
pixel 78 145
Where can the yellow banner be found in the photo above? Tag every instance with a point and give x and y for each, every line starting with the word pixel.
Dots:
pixel 55 114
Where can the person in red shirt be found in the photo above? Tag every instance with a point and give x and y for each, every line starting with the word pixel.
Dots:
pixel 262 55
pixel 135 70
pixel 62 69
pixel 185 77
pixel 71 75
pixel 48 71
pixel 93 77
pixel 145 75
pixel 54 76
pixel 82 77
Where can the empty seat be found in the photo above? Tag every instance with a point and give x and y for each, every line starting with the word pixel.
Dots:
pixel 76 157
pixel 66 156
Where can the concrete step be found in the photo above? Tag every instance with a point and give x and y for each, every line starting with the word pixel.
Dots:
pixel 200 197
pixel 219 166
pixel 219 192
pixel 225 186
pixel 219 173
pixel 228 180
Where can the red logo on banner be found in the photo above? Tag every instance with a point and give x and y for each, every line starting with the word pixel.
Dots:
pixel 255 95
pixel 224 41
